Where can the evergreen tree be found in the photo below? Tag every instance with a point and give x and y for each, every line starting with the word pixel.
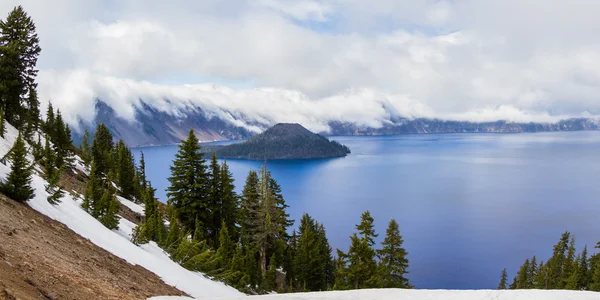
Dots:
pixel 393 262
pixel 215 201
pixel 61 138
pixel 19 49
pixel 188 192
pixel 271 230
pixel 52 174
pixel 18 183
pixel 309 265
pixel 229 201
pixel 523 276
pixel 584 266
pixel 362 268
pixel 92 201
pixel 595 284
pixel 174 235
pixel 366 228
pixel 126 170
pixel 326 257
pixel 503 280
pixel 556 264
pixel 250 204
pixel 110 207
pixel 33 111
pixel 86 151
pixel 102 146
pixel 49 126
pixel 341 271
pixel 532 275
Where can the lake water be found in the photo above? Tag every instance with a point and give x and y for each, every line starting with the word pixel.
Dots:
pixel 468 205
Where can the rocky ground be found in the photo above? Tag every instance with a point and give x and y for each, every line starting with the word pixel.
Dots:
pixel 43 259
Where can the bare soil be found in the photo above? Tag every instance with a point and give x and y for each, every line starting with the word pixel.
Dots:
pixel 43 259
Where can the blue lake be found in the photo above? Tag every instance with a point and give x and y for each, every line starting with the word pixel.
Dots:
pixel 468 205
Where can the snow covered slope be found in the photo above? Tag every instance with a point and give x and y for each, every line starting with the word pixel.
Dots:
pixel 137 208
pixel 394 294
pixel 149 256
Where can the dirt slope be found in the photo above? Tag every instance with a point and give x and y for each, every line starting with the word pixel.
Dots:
pixel 43 259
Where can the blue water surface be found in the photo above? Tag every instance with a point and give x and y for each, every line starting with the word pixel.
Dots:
pixel 468 205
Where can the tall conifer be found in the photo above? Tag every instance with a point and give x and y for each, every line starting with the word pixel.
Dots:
pixel 18 183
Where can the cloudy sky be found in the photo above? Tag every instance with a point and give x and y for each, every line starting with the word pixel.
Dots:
pixel 302 60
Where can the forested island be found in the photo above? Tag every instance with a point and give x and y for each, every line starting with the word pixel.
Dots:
pixel 282 141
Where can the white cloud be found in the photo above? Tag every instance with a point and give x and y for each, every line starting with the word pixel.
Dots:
pixel 470 59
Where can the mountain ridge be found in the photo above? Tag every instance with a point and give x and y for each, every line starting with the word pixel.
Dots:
pixel 155 127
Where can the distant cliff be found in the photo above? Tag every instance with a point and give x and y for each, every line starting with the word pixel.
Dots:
pixel 416 126
pixel 155 127
pixel 283 141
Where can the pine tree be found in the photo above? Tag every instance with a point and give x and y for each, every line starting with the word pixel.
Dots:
pixel 49 125
pixel 174 235
pixel 188 192
pixel 308 263
pixel 393 262
pixel 523 276
pixel 271 229
pixel 366 228
pixel 532 275
pixel 110 207
pixel 326 257
pixel 92 201
pixel 503 280
pixel 126 170
pixel 341 271
pixel 585 279
pixel 215 201
pixel 102 146
pixel 18 183
pixel 19 49
pixel 250 204
pixel 53 189
pixel 556 264
pixel 362 268
pixel 61 137
pixel 33 111
pixel 86 151
pixel 595 284
pixel 230 203
pixel 52 174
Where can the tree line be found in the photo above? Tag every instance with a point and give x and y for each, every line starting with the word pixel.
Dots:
pixel 244 240
pixel 564 270
pixel 50 140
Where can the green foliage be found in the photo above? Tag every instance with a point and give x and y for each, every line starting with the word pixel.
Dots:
pixel 503 280
pixel 18 183
pixel 230 202
pixel 393 263
pixel 86 150
pixel 125 170
pixel 189 189
pixel 313 265
pixel 284 141
pixel 250 204
pixel 110 207
pixel 564 270
pixel 19 49
pixel 102 146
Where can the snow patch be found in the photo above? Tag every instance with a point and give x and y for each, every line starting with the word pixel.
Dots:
pixel 149 256
pixel 394 294
pixel 137 208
